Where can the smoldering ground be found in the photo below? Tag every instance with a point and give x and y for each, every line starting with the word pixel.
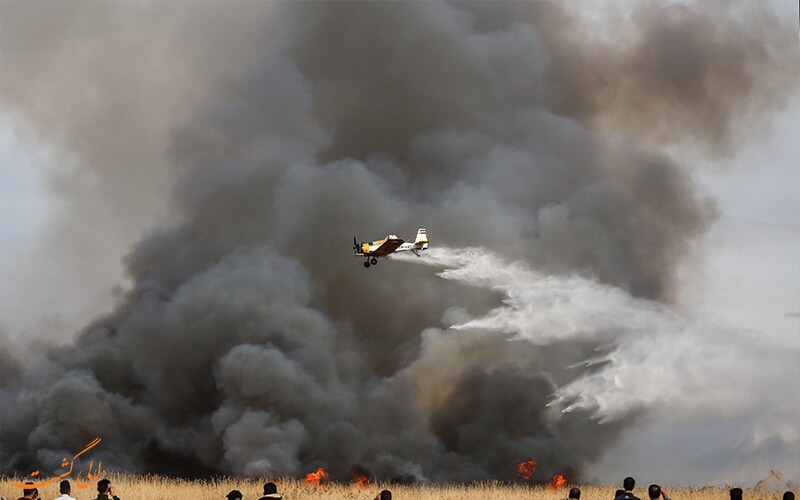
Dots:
pixel 249 341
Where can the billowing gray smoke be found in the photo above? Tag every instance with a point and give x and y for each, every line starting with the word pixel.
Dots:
pixel 250 341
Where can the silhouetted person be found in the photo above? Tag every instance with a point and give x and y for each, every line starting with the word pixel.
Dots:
pixel 271 492
pixel 105 491
pixel 736 494
pixel 234 495
pixel 788 495
pixel 618 493
pixel 29 493
pixel 384 495
pixel 65 490
pixel 655 491
pixel 628 484
pixel 575 493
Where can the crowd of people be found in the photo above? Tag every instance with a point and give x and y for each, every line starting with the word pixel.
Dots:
pixel 106 492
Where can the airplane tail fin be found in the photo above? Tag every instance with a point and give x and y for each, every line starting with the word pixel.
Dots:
pixel 421 242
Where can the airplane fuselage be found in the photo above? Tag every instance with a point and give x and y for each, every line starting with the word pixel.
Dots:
pixel 390 244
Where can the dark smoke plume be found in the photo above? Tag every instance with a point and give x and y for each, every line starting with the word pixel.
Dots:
pixel 250 342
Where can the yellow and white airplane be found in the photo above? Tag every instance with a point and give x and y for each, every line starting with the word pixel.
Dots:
pixel 382 248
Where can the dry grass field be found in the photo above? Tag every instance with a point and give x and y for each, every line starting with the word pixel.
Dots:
pixel 139 487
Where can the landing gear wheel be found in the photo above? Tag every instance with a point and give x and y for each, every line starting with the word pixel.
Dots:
pixel 374 261
pixel 366 263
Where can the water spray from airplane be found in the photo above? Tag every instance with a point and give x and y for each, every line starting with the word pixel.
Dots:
pixel 674 365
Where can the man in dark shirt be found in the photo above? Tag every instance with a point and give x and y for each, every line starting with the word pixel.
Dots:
pixel 655 491
pixel 628 484
pixel 29 493
pixel 105 491
pixel 270 492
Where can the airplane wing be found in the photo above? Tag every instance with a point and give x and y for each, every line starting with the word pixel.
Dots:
pixel 387 247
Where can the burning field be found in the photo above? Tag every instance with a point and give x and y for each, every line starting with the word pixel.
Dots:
pixel 213 161
pixel 136 487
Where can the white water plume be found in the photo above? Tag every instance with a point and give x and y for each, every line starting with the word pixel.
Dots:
pixel 675 366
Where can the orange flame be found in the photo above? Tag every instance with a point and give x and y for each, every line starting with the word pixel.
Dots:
pixel 317 478
pixel 557 482
pixel 360 479
pixel 526 470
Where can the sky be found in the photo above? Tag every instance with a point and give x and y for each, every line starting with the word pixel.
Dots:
pixel 25 197
pixel 100 200
pixel 754 252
